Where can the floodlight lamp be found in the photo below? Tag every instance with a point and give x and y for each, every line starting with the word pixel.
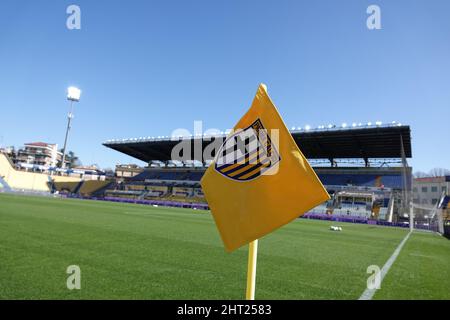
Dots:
pixel 73 94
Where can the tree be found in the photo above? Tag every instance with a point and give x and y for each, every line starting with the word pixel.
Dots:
pixel 435 172
pixel 109 172
pixel 420 174
pixel 439 172
pixel 72 159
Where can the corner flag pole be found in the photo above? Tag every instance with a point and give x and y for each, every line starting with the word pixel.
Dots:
pixel 251 269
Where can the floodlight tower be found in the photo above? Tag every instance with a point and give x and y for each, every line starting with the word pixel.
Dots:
pixel 73 95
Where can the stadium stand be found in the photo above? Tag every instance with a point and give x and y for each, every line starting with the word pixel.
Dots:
pixel 65 186
pixel 445 207
pixel 376 189
pixel 370 198
pixel 198 192
pixel 182 192
pixel 16 180
pixel 82 187
pixel 27 181
pixel 389 181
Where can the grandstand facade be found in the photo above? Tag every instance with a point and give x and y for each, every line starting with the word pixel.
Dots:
pixel 364 169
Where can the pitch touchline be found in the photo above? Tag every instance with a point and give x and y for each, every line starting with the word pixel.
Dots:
pixel 368 293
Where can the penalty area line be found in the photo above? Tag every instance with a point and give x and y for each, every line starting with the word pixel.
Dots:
pixel 368 293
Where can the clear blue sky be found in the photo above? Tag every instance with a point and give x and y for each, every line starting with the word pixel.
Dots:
pixel 148 67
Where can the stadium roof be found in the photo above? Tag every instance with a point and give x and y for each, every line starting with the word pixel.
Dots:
pixel 375 142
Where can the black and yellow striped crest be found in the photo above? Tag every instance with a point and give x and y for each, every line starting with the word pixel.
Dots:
pixel 247 154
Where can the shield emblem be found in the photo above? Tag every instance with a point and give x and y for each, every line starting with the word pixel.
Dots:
pixel 247 154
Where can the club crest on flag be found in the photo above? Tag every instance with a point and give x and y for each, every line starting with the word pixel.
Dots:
pixel 247 154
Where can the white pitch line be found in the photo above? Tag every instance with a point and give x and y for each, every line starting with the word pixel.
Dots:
pixel 368 293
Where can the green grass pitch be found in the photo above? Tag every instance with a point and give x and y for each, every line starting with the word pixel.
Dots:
pixel 130 251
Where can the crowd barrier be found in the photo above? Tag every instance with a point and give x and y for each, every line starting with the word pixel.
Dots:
pixel 362 220
pixel 164 203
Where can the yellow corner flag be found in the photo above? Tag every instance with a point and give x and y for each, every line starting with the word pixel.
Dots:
pixel 259 180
